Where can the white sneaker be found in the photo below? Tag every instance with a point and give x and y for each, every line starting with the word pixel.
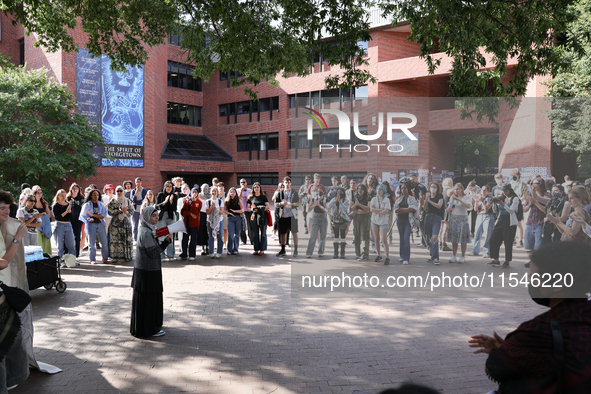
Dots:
pixel 486 256
pixel 191 258
pixel 212 255
pixel 405 262
pixel 435 261
pixel 462 260
pixel 453 259
pixel 400 260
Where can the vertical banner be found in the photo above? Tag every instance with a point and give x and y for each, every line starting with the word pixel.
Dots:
pixel 122 115
pixel 115 100
pixel 88 88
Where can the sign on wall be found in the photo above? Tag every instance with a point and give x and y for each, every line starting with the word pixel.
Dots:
pixel 115 100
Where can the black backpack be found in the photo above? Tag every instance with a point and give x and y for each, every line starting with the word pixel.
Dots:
pixel 519 213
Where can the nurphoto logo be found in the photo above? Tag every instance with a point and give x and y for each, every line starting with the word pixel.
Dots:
pixel 345 129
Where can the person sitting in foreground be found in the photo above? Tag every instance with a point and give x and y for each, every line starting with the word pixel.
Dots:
pixel 550 353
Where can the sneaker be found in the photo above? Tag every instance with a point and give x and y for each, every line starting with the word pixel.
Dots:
pixel 191 258
pixel 526 265
pixel 212 255
pixel 281 253
pixel 486 256
pixel 419 245
pixel 92 261
pixel 446 248
pixel 295 253
pixel 63 265
pixel 435 261
pixel 204 253
pixel 159 334
pixel 306 231
pixel 505 265
pixel 229 254
pixel 430 260
pixel 474 254
pixel 462 260
pixel 520 244
pixel 85 247
pixel 217 256
pixel 235 253
pixel 363 258
pixel 378 259
pixel 405 262
pixel 255 253
pixel 494 263
pixel 308 256
pixel 261 253
pixel 400 260
pixel 105 261
pixel 453 259
pixel 387 261
pixel 320 255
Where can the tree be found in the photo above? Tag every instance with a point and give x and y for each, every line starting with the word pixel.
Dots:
pixel 571 88
pixel 42 139
pixel 466 145
pixel 263 38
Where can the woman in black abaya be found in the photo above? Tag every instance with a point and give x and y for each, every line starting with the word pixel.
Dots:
pixel 147 304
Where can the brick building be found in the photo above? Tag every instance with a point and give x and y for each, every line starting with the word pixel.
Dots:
pixel 230 136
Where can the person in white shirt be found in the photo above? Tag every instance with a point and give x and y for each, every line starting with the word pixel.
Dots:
pixel 215 222
pixel 459 230
pixel 380 217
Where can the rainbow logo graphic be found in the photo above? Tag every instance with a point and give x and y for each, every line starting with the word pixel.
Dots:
pixel 316 115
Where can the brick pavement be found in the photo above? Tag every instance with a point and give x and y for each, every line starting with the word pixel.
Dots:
pixel 232 326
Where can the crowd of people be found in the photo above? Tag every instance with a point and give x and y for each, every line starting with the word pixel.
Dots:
pixel 445 217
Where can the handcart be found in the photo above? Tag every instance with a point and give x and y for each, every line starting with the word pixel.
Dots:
pixel 45 273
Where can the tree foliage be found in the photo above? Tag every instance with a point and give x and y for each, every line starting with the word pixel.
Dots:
pixel 466 145
pixel 263 38
pixel 571 88
pixel 42 139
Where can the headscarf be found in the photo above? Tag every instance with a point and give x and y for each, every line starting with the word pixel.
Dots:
pixel 205 191
pixel 145 217
pixel 122 201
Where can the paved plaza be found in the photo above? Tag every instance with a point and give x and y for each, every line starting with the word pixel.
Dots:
pixel 232 326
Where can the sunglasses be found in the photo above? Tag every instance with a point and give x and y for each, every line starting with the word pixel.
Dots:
pixel 31 200
pixel 119 191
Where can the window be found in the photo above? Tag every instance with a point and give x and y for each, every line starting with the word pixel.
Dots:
pixel 273 141
pixel 361 92
pixel 188 115
pixel 330 96
pixel 243 143
pixel 245 107
pixel 181 76
pixel 175 38
pixel 264 178
pixel 364 45
pixel 225 75
pixel 21 48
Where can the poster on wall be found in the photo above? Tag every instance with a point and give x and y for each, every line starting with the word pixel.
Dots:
pixel 402 174
pixel 405 146
pixel 115 100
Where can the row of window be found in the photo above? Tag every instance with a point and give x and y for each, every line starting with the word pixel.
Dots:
pixel 264 178
pixel 250 107
pixel 298 139
pixel 327 97
pixel 189 115
pixel 181 76
pixel 257 142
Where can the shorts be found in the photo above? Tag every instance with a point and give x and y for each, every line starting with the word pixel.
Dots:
pixel 286 224
pixel 380 226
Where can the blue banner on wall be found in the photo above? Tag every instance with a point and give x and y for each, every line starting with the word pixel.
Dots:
pixel 115 100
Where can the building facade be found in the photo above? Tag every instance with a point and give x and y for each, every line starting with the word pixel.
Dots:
pixel 199 130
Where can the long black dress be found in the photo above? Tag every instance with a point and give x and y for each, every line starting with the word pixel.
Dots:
pixel 147 305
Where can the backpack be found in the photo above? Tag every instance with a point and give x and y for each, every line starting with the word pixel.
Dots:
pixel 519 212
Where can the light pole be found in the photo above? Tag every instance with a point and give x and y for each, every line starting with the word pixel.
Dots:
pixel 476 152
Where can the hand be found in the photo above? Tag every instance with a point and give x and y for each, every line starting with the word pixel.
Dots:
pixel 40 214
pixel 193 216
pixel 124 209
pixel 69 209
pixel 21 232
pixel 485 342
pixel 552 218
pixel 428 196
pixel 168 238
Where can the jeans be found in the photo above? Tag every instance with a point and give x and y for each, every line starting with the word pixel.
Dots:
pixel 432 227
pixel 219 236
pixel 234 227
pixel 259 229
pixel 64 233
pixel 404 228
pixel 94 230
pixel 189 242
pixel 484 226
pixel 533 236
pixel 361 230
pixel 77 229
pixel 166 221
pixel 319 224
